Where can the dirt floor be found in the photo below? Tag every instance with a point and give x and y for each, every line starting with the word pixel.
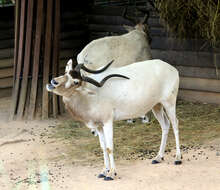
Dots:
pixel 31 159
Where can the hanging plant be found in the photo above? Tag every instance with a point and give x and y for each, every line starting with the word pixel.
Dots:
pixel 6 2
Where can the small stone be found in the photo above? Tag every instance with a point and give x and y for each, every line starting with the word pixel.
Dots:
pixel 217 153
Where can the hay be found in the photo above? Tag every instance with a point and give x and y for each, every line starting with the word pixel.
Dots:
pixel 6 3
pixel 199 124
pixel 192 18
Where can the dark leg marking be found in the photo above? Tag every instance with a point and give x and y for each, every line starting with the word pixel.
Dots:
pixel 108 179
pixel 178 162
pixel 156 162
pixel 101 176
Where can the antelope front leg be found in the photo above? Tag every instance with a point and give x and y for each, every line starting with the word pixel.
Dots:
pixel 108 133
pixel 106 168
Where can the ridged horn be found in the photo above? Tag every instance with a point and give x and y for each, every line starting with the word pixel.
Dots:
pixel 124 15
pixel 81 66
pixel 146 14
pixel 100 84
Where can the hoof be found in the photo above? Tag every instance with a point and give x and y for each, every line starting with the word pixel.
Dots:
pixel 101 176
pixel 155 162
pixel 178 162
pixel 108 178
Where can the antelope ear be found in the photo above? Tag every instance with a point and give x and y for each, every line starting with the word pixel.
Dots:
pixel 69 66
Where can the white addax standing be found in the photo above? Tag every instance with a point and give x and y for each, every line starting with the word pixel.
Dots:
pixel 118 94
pixel 123 49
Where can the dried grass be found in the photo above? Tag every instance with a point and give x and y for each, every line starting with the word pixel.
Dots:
pixel 192 18
pixel 198 124
pixel 4 2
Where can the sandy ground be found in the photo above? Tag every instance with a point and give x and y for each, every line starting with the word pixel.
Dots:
pixel 28 161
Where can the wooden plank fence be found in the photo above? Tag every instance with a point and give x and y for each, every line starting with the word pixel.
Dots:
pixel 36 59
pixel 25 96
pixel 34 67
pixel 6 50
pixel 194 60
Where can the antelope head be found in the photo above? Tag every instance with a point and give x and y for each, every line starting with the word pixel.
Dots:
pixel 139 24
pixel 73 79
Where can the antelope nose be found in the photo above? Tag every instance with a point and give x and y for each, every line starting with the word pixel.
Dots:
pixel 53 82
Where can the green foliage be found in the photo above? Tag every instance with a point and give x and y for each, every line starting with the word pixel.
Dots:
pixel 192 18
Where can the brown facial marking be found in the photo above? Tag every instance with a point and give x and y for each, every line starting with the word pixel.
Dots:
pixel 108 150
pixel 75 74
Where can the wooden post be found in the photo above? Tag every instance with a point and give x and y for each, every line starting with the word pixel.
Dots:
pixel 27 60
pixel 17 27
pixel 36 59
pixel 19 62
pixel 34 69
pixel 55 56
pixel 47 59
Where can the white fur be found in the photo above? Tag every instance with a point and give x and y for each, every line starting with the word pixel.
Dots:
pixel 152 85
pixel 124 50
pixel 69 66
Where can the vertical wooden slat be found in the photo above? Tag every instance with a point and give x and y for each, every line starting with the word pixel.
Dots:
pixel 47 59
pixel 38 105
pixel 26 111
pixel 19 63
pixel 36 59
pixel 61 105
pixel 17 27
pixel 29 28
pixel 55 56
